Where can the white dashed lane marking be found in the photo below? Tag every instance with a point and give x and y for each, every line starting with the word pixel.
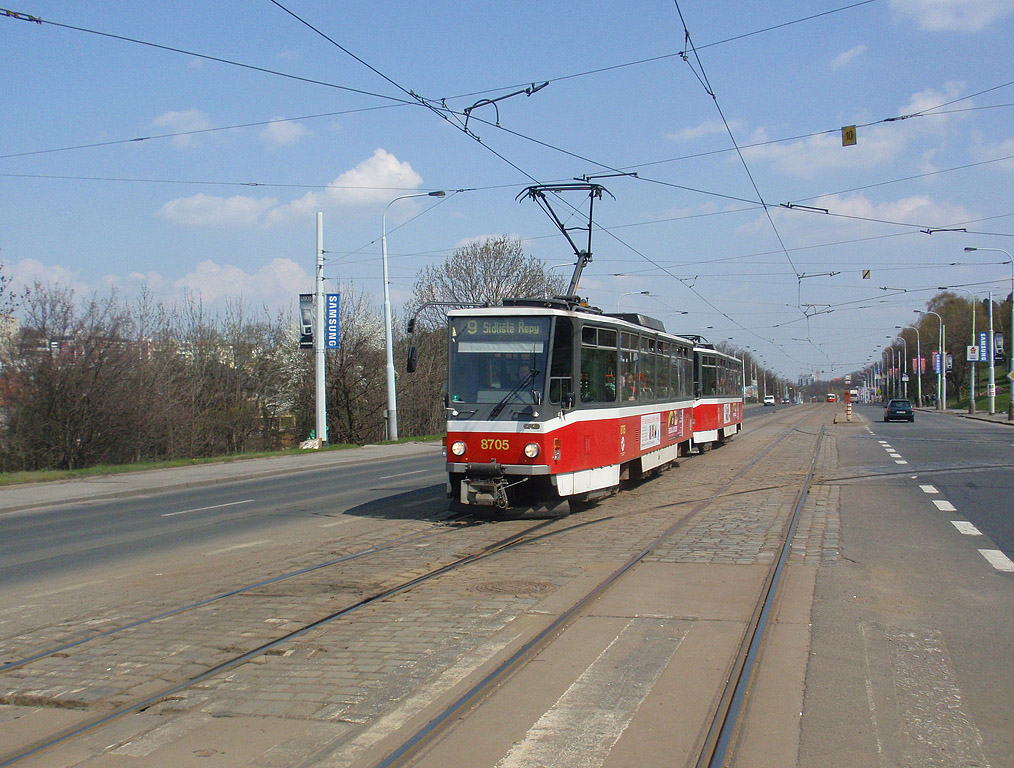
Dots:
pixel 928 489
pixel 966 528
pixel 998 560
pixel 944 505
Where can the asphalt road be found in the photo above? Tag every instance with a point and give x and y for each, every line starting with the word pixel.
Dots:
pixel 54 541
pixel 60 540
pixel 910 652
pixel 970 463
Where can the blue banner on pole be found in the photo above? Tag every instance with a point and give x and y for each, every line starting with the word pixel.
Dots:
pixel 984 347
pixel 331 321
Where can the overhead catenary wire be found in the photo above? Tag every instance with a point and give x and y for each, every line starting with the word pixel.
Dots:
pixel 405 102
pixel 206 57
pixel 703 78
pixel 662 57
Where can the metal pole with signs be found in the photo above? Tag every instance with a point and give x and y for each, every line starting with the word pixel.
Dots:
pixel 991 386
pixel 318 336
pixel 331 335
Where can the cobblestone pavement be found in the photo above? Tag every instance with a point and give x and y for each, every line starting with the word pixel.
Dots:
pixel 348 684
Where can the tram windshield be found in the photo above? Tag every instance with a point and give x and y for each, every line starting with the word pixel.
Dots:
pixel 493 358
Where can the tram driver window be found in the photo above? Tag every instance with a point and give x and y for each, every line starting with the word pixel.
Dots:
pixel 598 365
pixel 561 382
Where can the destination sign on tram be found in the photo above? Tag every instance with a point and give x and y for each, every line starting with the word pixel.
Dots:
pixel 501 334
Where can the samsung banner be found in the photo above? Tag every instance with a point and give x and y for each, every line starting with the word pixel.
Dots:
pixel 331 321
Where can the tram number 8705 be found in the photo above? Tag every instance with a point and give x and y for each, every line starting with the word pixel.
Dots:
pixel 488 444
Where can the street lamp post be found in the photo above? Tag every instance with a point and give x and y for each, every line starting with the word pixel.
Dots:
pixel 918 360
pixel 392 396
pixel 943 360
pixel 630 293
pixel 904 367
pixel 1010 358
pixel 973 381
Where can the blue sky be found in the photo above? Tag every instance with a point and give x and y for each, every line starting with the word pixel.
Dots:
pixel 220 197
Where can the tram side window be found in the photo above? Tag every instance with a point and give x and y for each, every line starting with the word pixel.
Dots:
pixel 649 376
pixel 681 379
pixel 561 363
pixel 709 376
pixel 598 365
pixel 630 369
pixel 725 379
pixel 645 379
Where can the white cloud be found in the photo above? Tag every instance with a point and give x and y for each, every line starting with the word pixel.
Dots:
pixel 815 155
pixel 181 122
pixel 27 271
pixel 982 151
pixel 283 133
pixel 952 15
pixel 876 145
pixel 931 97
pixel 707 128
pixel 842 60
pixel 856 216
pixel 378 179
pixel 210 211
pixel 275 283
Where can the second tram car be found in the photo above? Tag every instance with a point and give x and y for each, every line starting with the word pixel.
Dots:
pixel 547 400
pixel 718 395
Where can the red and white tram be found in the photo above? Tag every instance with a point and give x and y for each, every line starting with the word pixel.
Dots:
pixel 548 400
pixel 718 395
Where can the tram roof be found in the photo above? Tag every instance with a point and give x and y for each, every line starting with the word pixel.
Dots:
pixel 556 307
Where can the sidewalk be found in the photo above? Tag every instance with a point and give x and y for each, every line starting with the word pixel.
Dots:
pixel 32 495
pixel 995 418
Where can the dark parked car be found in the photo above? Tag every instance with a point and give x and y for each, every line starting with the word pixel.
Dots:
pixel 899 409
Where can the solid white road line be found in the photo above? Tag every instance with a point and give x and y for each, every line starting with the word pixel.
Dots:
pixel 966 528
pixel 944 505
pixel 998 560
pixel 404 474
pixel 204 509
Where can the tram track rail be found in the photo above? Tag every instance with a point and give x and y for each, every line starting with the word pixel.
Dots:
pixel 723 720
pixel 64 647
pixel 530 534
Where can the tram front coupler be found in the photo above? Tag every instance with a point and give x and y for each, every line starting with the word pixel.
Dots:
pixel 484 485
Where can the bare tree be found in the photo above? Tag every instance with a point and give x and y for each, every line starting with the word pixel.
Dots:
pixel 68 393
pixel 483 273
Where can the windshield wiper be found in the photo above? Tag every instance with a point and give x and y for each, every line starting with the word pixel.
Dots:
pixel 527 379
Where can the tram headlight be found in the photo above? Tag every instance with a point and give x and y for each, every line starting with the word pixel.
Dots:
pixel 458 448
pixel 532 450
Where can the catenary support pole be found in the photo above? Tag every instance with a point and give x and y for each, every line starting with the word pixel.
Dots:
pixel 318 334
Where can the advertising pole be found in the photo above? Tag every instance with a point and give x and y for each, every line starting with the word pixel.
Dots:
pixel 991 387
pixel 318 334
